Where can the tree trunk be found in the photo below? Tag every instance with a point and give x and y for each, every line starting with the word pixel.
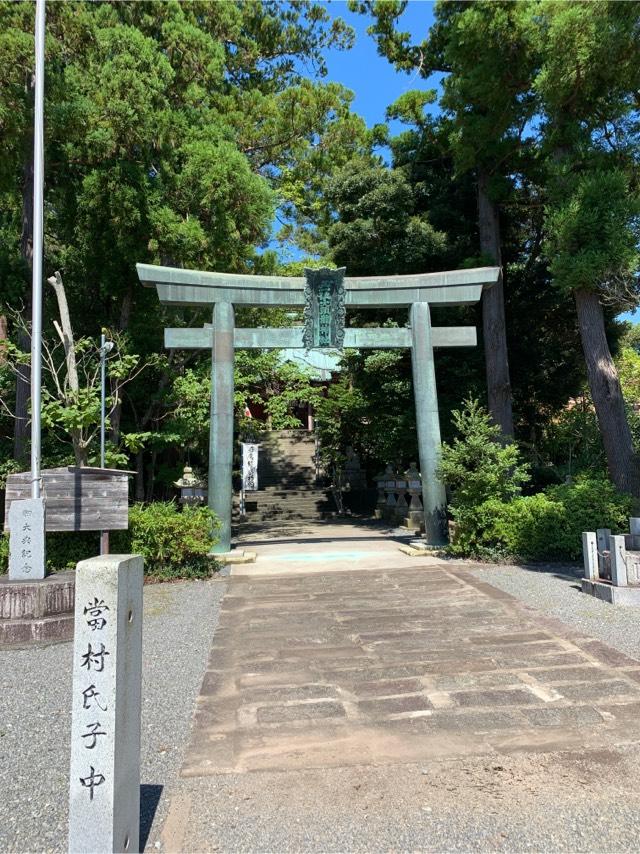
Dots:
pixel 151 479
pixel 4 334
pixel 140 475
pixel 65 332
pixel 125 317
pixel 493 319
pixel 622 462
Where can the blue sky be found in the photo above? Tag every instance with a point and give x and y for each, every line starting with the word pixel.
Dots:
pixel 371 77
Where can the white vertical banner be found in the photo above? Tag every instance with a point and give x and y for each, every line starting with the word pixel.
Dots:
pixel 250 467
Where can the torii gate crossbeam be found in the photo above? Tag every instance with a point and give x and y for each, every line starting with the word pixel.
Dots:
pixel 324 295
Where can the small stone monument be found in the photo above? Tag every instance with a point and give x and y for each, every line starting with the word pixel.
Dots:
pixel 354 476
pixel 104 784
pixel 612 564
pixel 27 554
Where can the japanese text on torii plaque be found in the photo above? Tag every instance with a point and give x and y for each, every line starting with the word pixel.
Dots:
pixel 324 308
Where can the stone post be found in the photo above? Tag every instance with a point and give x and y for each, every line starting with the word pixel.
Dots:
pixel 104 788
pixel 402 508
pixel 618 562
pixel 221 429
pixel 389 512
pixel 416 514
pixel 590 555
pixel 27 541
pixel 634 533
pixel 428 423
pixel 603 536
pixel 380 503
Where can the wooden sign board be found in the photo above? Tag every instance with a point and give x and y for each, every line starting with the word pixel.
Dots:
pixel 77 499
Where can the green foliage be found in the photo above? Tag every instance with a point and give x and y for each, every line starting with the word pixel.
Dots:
pixel 475 466
pixel 493 520
pixel 173 132
pixel 175 543
pixel 370 407
pixel 4 554
pixel 593 233
pixel 546 526
pixel 380 227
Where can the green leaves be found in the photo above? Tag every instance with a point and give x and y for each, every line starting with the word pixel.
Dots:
pixel 475 466
pixel 593 234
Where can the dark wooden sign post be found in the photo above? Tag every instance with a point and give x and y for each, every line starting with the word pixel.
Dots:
pixel 77 499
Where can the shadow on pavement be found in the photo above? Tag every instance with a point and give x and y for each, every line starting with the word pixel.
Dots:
pixel 149 799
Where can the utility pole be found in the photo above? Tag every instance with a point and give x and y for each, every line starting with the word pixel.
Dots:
pixel 27 519
pixel 38 228
pixel 105 347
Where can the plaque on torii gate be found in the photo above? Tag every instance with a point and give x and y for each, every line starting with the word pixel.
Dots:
pixel 324 295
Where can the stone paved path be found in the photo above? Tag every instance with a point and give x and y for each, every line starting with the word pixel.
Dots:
pixel 359 700
pixel 406 665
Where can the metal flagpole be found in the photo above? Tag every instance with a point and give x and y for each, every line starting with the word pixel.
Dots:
pixel 38 225
pixel 105 347
pixel 103 356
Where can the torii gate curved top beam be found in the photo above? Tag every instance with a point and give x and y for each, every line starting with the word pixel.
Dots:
pixel 197 288
pixel 325 295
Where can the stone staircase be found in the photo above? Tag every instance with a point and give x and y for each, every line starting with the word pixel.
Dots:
pixel 287 481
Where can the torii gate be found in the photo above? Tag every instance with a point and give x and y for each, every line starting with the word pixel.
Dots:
pixel 325 295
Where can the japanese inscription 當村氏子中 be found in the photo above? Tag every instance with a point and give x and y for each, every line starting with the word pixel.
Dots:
pixel 96 615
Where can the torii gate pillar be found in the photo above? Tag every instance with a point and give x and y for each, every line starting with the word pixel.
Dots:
pixel 427 423
pixel 221 433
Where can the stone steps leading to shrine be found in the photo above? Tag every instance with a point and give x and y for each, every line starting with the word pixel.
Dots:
pixel 279 504
pixel 286 459
pixel 287 481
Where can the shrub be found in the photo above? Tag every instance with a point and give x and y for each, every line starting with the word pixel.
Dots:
pixel 174 543
pixel 546 526
pixel 4 554
pixel 476 467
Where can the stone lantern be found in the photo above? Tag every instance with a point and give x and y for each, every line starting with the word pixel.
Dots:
pixel 380 480
pixel 193 491
pixel 414 481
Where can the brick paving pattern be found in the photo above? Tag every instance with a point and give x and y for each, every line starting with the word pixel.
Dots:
pixel 384 667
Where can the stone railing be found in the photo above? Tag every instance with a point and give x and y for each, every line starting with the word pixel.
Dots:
pixel 400 497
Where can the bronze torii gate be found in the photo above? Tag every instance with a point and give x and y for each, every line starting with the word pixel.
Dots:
pixel 325 295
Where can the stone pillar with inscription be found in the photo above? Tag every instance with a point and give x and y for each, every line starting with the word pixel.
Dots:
pixel 27 552
pixel 104 787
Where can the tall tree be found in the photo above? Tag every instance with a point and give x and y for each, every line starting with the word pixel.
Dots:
pixel 587 83
pixel 173 132
pixel 482 48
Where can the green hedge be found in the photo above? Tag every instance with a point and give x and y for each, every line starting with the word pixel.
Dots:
pixel 174 543
pixel 546 526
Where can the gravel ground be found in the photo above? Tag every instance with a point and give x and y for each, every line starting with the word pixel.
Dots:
pixel 555 592
pixel 506 803
pixel 35 715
